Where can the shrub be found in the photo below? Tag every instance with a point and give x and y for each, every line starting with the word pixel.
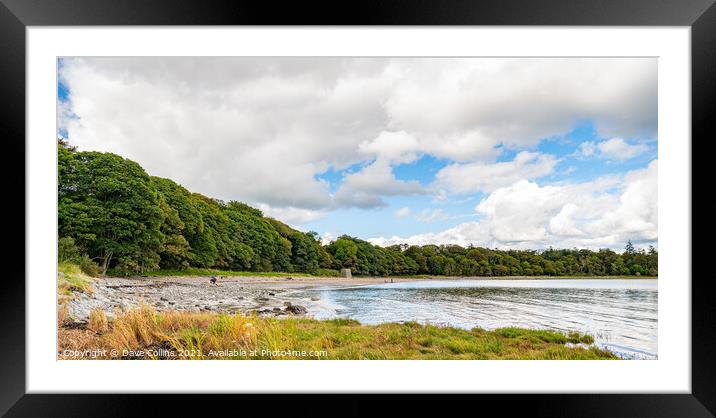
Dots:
pixel 71 279
pixel 88 266
pixel 67 250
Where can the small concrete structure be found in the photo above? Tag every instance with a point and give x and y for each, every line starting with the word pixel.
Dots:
pixel 346 273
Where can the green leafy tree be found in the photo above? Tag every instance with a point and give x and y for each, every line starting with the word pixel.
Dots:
pixel 111 211
pixel 629 248
pixel 305 255
pixel 109 206
pixel 271 250
pixel 344 252
pixel 175 251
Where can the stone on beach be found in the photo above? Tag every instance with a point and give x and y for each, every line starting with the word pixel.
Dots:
pixel 242 295
pixel 296 309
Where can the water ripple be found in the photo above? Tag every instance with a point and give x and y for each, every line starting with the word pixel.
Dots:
pixel 620 314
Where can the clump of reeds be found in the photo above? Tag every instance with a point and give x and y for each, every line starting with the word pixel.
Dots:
pixel 98 321
pixel 195 335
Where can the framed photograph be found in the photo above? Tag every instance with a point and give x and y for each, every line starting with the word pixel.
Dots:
pixel 477 199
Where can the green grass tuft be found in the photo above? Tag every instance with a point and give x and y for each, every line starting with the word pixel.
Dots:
pixel 230 273
pixel 71 279
pixel 199 333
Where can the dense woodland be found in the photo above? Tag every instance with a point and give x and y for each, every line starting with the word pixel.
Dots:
pixel 113 215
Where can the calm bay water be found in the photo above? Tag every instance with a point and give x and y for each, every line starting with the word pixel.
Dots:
pixel 620 314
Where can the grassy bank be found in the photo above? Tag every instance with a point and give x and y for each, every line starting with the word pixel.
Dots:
pixel 229 273
pixel 71 279
pixel 192 272
pixel 144 333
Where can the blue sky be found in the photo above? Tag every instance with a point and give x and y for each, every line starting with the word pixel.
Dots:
pixel 572 167
pixel 63 94
pixel 510 153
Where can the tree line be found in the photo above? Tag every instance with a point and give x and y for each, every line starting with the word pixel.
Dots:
pixel 113 215
pixel 454 260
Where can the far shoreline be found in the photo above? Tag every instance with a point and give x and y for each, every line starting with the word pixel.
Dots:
pixel 306 280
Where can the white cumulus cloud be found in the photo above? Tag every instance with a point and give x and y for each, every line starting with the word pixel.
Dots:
pixel 403 212
pixel 263 130
pixel 397 147
pixel 604 213
pixel 367 187
pixel 481 176
pixel 431 215
pixel 294 217
pixel 611 149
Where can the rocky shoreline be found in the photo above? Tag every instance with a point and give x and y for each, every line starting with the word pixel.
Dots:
pixel 194 294
pixel 263 296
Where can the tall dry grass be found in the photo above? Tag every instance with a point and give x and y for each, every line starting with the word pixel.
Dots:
pixel 196 335
pixel 62 314
pixel 98 321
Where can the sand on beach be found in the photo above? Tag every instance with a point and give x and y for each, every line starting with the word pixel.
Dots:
pixel 266 296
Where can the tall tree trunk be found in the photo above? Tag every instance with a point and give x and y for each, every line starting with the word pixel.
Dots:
pixel 105 262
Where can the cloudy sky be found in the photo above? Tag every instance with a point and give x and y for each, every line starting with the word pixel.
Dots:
pixel 507 153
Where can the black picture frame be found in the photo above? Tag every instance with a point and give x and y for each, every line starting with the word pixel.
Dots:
pixel 16 15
